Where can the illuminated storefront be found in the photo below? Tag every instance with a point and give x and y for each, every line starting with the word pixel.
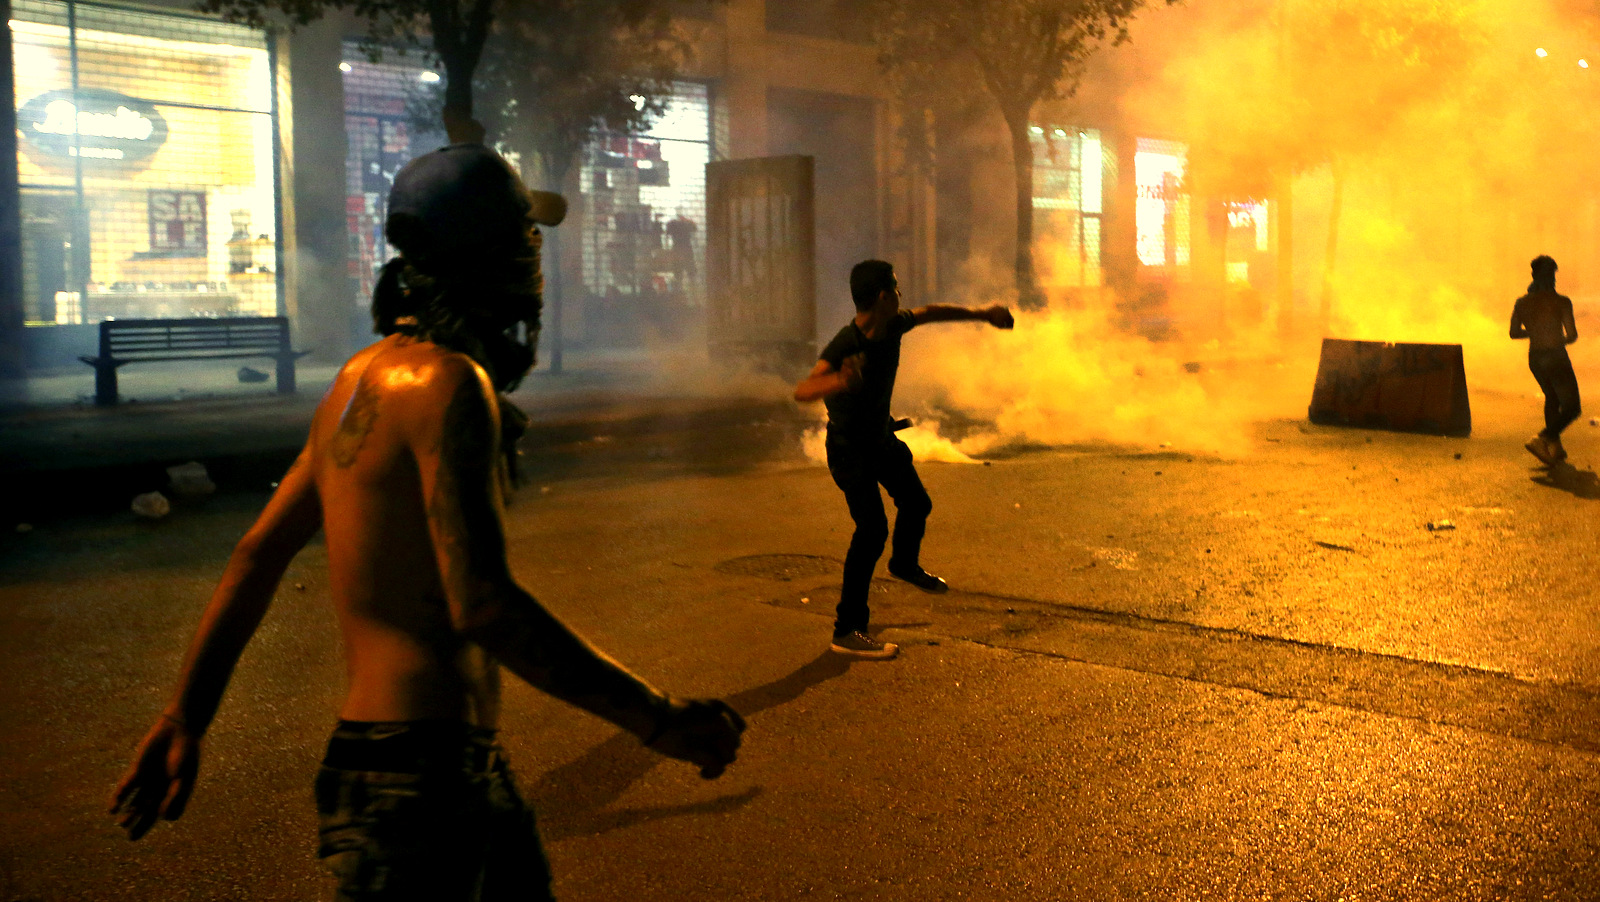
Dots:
pixel 1163 206
pixel 146 160
pixel 644 202
pixel 1068 206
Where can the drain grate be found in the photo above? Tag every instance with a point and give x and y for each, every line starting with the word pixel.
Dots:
pixel 782 567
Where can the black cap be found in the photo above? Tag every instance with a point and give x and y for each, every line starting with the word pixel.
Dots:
pixel 465 197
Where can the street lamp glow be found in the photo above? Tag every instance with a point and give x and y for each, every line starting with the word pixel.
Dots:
pixel 344 67
pixel 1540 53
pixel 1583 64
pixel 429 77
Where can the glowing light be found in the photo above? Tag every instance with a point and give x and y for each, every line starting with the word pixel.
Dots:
pixel 638 101
pixel 344 67
pixel 1540 53
pixel 1583 64
pixel 1038 130
pixel 1061 133
pixel 429 78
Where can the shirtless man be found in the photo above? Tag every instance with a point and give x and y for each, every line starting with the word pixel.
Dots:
pixel 404 470
pixel 855 379
pixel 1545 319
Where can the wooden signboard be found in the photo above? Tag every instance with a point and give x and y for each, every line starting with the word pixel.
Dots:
pixel 1381 385
pixel 761 261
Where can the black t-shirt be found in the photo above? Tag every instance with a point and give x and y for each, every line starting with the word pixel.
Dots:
pixel 863 414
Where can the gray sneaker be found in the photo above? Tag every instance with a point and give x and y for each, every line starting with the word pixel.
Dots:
pixel 861 645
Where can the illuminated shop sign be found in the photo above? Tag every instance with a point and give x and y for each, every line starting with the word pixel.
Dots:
pixel 109 126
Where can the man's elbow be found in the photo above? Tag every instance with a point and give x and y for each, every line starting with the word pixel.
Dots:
pixel 479 621
pixel 484 612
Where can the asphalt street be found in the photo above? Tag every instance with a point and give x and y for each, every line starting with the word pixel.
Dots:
pixel 1158 676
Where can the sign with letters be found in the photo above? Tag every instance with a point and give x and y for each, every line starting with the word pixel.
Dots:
pixel 96 125
pixel 178 223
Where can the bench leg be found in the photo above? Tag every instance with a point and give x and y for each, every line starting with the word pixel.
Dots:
pixel 286 375
pixel 105 384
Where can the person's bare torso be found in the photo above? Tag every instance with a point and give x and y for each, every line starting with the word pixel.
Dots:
pixel 1543 314
pixel 403 659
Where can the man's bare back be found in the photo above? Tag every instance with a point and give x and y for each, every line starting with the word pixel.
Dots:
pixel 403 657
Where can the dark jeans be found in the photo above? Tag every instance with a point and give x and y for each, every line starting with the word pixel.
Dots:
pixel 859 468
pixel 1553 369
pixel 426 811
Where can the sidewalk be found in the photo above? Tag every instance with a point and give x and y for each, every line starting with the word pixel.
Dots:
pixel 59 452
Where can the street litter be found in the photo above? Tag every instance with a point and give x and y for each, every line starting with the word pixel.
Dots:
pixel 191 479
pixel 152 505
pixel 247 374
pixel 1440 525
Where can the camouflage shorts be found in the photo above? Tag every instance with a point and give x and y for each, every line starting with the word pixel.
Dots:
pixel 410 812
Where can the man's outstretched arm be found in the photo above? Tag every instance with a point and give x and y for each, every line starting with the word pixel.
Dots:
pixel 162 775
pixel 458 456
pixel 997 315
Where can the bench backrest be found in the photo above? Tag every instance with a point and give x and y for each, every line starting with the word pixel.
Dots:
pixel 132 339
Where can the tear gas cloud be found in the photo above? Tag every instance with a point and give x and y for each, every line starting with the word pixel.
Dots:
pixel 1443 151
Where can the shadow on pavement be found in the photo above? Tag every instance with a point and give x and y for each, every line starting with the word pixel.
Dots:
pixel 1567 478
pixel 572 799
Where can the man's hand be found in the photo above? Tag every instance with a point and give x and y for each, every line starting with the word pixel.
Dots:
pixel 158 783
pixel 700 731
pixel 999 316
pixel 850 371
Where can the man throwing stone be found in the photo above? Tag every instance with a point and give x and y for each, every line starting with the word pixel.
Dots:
pixel 405 472
pixel 1545 319
pixel 855 379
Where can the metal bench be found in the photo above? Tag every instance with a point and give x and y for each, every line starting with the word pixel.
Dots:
pixel 125 341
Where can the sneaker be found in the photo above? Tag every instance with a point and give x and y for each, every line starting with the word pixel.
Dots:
pixel 1556 451
pixel 861 645
pixel 1539 447
pixel 919 577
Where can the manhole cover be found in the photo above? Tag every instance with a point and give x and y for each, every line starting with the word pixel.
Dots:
pixel 780 566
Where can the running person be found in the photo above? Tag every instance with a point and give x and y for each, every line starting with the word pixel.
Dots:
pixel 405 472
pixel 855 379
pixel 1545 318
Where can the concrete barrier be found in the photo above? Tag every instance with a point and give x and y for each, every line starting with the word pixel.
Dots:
pixel 1382 385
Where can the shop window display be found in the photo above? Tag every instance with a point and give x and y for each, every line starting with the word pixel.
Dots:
pixel 146 164
pixel 1068 205
pixel 644 201
pixel 1163 206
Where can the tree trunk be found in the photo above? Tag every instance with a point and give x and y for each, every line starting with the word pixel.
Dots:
pixel 1028 295
pixel 1331 256
pixel 1284 213
pixel 553 294
pixel 556 172
pixel 458 38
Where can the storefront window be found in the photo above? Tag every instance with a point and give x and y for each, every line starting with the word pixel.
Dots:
pixel 381 127
pixel 1163 205
pixel 146 163
pixel 1068 203
pixel 644 201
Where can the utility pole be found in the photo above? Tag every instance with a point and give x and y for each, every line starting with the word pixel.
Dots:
pixel 12 347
